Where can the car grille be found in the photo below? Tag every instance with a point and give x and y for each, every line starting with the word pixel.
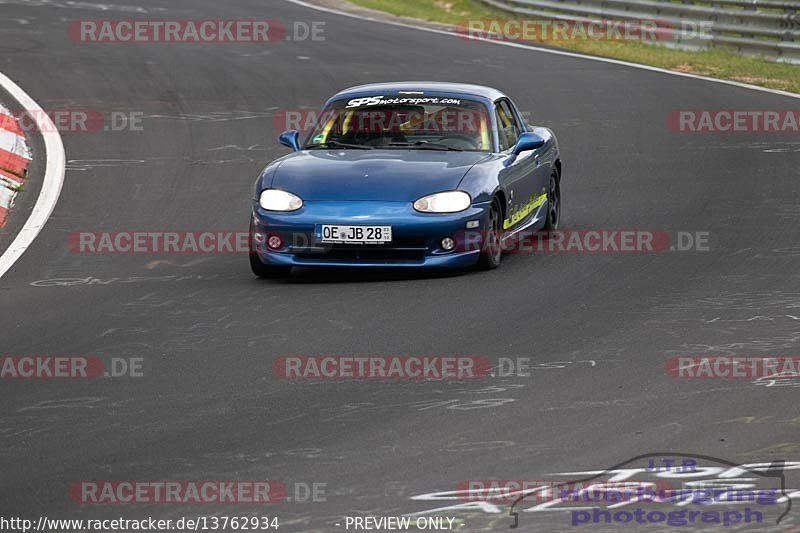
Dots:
pixel 411 251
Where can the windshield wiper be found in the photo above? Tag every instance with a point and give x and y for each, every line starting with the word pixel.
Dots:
pixel 337 144
pixel 425 145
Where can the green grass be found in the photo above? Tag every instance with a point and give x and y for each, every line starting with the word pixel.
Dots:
pixel 715 63
pixel 447 11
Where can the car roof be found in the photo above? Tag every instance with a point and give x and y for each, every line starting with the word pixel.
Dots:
pixel 437 87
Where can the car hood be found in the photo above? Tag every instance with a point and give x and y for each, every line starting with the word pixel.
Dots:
pixel 388 175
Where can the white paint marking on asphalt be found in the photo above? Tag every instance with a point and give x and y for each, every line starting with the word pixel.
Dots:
pixel 547 50
pixel 53 177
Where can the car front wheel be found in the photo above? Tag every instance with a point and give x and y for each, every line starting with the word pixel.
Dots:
pixel 492 250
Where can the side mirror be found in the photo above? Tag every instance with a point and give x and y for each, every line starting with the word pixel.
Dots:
pixel 290 138
pixel 528 141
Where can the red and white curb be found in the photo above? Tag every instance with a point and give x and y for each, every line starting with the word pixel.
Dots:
pixel 14 159
pixel 55 167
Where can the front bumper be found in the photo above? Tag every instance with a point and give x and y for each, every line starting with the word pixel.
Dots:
pixel 416 237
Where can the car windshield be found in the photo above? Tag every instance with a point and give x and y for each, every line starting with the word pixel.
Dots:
pixel 418 123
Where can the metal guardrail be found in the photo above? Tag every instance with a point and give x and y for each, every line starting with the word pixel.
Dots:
pixel 765 28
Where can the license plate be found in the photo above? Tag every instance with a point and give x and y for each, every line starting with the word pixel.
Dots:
pixel 355 234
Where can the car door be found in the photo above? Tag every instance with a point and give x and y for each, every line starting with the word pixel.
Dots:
pixel 519 176
pixel 544 156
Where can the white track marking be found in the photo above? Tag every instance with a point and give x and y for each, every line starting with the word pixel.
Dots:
pixel 53 177
pixel 547 50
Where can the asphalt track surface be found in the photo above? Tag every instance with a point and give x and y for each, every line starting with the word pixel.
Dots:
pixel 209 406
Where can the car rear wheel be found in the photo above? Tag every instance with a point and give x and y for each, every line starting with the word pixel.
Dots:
pixel 260 269
pixel 492 250
pixel 553 203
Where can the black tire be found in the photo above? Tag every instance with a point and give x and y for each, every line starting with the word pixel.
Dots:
pixel 491 248
pixel 553 202
pixel 260 269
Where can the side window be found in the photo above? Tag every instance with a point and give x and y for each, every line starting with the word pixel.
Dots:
pixel 519 118
pixel 507 121
pixel 501 132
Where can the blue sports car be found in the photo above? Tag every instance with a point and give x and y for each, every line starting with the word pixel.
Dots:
pixel 407 174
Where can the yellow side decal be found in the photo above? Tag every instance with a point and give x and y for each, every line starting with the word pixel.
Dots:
pixel 524 210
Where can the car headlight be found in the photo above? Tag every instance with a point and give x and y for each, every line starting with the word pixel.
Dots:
pixel 443 202
pixel 278 200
